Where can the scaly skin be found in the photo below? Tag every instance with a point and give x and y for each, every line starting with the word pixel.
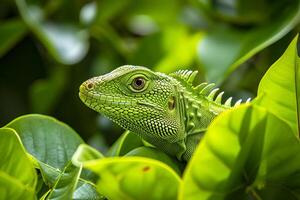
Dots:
pixel 165 110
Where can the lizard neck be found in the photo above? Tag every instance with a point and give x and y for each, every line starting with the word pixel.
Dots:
pixel 198 112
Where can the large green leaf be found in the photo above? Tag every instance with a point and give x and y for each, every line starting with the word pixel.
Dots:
pixel 247 153
pixel 52 145
pixel 133 178
pixel 65 41
pixel 279 90
pixel 17 174
pixel 10 33
pixel 47 139
pixel 225 47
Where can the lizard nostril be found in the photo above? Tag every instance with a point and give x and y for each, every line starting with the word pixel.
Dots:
pixel 90 86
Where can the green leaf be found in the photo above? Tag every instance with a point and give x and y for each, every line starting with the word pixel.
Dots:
pixel 279 90
pixel 126 142
pixel 85 153
pixel 66 42
pixel 52 145
pixel 134 178
pixel 49 141
pixel 261 163
pixel 10 33
pixel 150 152
pixel 66 183
pixel 225 47
pixel 17 174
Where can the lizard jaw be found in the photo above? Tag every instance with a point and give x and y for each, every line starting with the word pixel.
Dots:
pixel 99 101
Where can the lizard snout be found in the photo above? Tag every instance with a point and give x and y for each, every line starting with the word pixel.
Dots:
pixel 91 83
pixel 86 86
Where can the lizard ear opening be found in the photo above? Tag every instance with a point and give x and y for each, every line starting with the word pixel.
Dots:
pixel 172 103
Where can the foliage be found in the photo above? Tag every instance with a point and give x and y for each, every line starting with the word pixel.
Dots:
pixel 47 48
pixel 261 141
pixel 238 45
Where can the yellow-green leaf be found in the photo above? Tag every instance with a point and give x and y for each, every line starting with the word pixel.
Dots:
pixel 17 174
pixel 247 153
pixel 279 90
pixel 134 178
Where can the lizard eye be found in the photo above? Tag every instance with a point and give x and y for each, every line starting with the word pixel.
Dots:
pixel 138 83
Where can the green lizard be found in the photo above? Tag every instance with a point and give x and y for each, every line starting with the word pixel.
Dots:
pixel 165 110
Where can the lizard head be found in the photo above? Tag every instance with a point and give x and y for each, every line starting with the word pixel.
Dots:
pixel 138 99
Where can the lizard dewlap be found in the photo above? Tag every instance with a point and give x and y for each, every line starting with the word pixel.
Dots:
pixel 165 110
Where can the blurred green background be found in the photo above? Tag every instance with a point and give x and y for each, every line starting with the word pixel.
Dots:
pixel 48 48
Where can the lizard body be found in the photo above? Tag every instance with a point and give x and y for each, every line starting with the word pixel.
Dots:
pixel 165 110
